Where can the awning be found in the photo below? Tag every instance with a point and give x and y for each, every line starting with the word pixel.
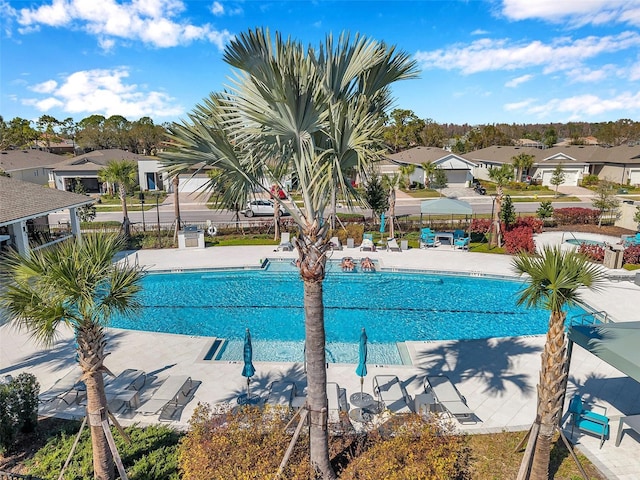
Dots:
pixel 615 343
pixel 445 206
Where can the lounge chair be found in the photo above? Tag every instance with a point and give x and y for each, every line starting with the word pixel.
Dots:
pixel 68 389
pixel 448 397
pixel 337 398
pixel 462 243
pixel 367 243
pixel 632 241
pixel 173 409
pixel 169 391
pixel 281 393
pixel 285 242
pixel 335 243
pixel 392 245
pixel 129 379
pixel 392 394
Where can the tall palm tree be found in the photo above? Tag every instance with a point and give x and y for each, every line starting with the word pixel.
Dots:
pixel 76 284
pixel 318 112
pixel 522 162
pixel 553 282
pixel 392 182
pixel 123 173
pixel 501 176
pixel 405 174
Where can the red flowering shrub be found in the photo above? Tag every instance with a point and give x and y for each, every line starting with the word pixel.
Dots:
pixel 576 216
pixel 594 252
pixel 519 240
pixel 535 224
pixel 631 255
pixel 480 225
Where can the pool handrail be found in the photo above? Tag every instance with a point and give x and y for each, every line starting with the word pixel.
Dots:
pixel 595 318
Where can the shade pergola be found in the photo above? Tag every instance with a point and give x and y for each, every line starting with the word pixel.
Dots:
pixel 445 206
pixel 615 343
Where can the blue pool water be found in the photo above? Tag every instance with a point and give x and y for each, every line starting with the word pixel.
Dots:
pixel 580 241
pixel 392 306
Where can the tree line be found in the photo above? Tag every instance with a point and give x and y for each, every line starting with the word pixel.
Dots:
pixel 94 132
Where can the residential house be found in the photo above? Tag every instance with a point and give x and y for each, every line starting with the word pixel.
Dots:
pixel 29 165
pixel 24 210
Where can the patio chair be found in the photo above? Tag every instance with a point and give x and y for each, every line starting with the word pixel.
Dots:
pixel 429 240
pixel 335 243
pixel 392 394
pixel 448 397
pixel 367 243
pixel 281 393
pixel 587 420
pixel 462 243
pixel 169 391
pixel 337 398
pixel 458 234
pixel 129 379
pixel 392 245
pixel 285 242
pixel 67 389
pixel 632 241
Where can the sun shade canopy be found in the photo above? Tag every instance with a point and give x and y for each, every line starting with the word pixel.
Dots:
pixel 445 206
pixel 615 343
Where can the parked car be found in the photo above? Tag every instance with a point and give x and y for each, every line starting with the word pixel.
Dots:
pixel 260 208
pixel 477 186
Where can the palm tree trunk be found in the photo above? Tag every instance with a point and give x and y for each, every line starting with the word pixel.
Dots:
pixel 91 343
pixel 276 221
pixel 312 270
pixel 176 206
pixel 125 211
pixel 550 393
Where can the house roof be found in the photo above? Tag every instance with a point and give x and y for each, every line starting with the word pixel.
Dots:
pixel 418 155
pixel 95 160
pixel 12 160
pixel 579 154
pixel 23 200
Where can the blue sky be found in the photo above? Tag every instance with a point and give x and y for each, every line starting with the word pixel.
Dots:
pixel 514 61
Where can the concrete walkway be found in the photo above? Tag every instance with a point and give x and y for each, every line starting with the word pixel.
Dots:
pixel 497 376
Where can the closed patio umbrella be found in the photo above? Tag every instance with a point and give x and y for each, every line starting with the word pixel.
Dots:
pixel 361 369
pixel 382 226
pixel 248 370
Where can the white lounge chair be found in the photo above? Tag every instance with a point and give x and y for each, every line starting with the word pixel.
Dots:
pixel 448 397
pixel 335 243
pixel 169 391
pixel 68 389
pixel 367 244
pixel 337 398
pixel 285 242
pixel 392 394
pixel 129 379
pixel 281 393
pixel 392 245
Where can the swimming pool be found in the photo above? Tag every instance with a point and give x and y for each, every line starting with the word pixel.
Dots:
pixel 393 306
pixel 580 241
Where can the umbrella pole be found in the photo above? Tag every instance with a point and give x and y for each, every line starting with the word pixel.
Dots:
pixel 248 391
pixel 361 387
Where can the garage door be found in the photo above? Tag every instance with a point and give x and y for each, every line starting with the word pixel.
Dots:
pixel 634 177
pixel 192 184
pixel 570 177
pixel 456 178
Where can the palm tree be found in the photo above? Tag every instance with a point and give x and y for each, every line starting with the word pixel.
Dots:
pixel 429 169
pixel 392 182
pixel 522 162
pixel 553 282
pixel 501 176
pixel 319 113
pixel 76 284
pixel 124 174
pixel 405 174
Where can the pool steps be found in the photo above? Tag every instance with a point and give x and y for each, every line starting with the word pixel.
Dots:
pixel 214 350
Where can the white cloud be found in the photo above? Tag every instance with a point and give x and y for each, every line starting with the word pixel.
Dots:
pixel 518 80
pixel 560 54
pixel 575 13
pixel 581 107
pixel 479 31
pixel 105 92
pixel 518 105
pixel 217 9
pixel 588 75
pixel 154 22
pixel 45 87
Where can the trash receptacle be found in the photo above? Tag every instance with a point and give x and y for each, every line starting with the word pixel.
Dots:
pixel 612 258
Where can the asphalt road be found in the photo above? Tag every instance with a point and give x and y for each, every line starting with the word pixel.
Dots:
pixel 191 213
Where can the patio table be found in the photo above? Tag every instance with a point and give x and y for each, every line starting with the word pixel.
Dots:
pixel 447 235
pixel 632 422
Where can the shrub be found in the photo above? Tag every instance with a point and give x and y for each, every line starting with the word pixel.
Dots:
pixel 590 179
pixel 631 255
pixel 480 225
pixel 18 408
pixel 518 240
pixel 576 216
pixel 535 224
pixel 350 230
pixel 594 252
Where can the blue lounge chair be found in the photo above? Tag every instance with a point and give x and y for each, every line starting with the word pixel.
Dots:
pixel 632 241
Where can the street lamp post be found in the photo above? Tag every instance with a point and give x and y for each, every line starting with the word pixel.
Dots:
pixel 157 194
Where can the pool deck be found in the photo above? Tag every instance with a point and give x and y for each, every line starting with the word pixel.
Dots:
pixel 497 376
